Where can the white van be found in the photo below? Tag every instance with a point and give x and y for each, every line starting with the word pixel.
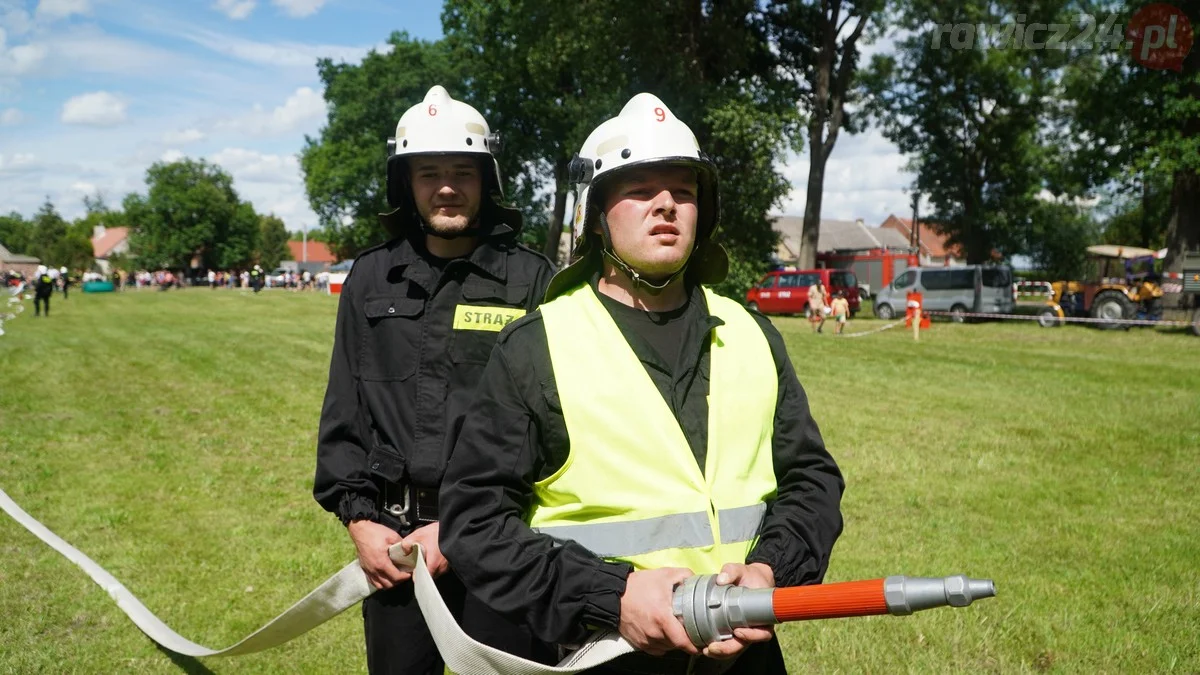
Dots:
pixel 986 289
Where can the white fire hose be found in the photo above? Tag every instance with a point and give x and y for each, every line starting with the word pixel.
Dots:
pixel 709 611
pixel 340 592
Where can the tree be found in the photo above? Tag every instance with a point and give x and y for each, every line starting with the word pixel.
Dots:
pixel 48 229
pixel 97 212
pixel 190 210
pixel 549 81
pixel 1058 238
pixel 545 74
pixel 554 72
pixel 273 239
pixel 238 247
pixel 345 165
pixel 16 233
pixel 1140 216
pixel 967 109
pixel 1142 131
pixel 819 50
pixel 73 251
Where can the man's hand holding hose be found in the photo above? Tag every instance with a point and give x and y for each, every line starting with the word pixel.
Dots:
pixel 754 575
pixel 647 619
pixel 372 541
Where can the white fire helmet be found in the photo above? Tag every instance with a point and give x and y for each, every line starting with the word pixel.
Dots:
pixel 645 133
pixel 439 125
pixel 41 269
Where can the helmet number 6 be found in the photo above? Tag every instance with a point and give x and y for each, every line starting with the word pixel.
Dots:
pixel 432 110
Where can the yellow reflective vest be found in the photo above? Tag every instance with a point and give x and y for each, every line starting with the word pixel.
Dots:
pixel 630 489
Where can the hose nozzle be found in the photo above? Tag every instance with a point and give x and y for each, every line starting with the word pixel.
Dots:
pixel 710 612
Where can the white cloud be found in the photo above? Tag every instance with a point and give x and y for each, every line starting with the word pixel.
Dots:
pixel 100 109
pixel 298 112
pixel 60 9
pixel 281 54
pixel 183 137
pixel 865 177
pixel 273 183
pixel 22 59
pixel 17 162
pixel 10 117
pixel 235 9
pixel 257 167
pixel 72 50
pixel 83 188
pixel 172 155
pixel 299 8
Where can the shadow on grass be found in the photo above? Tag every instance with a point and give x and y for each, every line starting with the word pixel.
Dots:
pixel 187 664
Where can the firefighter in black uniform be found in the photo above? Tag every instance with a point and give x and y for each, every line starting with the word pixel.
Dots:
pixel 416 323
pixel 256 278
pixel 43 288
pixel 634 410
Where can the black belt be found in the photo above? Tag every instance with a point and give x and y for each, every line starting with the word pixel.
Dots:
pixel 406 507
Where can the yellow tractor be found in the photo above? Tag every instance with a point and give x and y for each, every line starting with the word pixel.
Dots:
pixel 1123 285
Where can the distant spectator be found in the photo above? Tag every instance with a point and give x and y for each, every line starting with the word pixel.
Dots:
pixel 817 296
pixel 840 309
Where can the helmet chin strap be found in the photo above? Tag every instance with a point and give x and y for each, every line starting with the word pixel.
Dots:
pixel 639 281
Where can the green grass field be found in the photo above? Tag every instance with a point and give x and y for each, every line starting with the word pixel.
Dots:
pixel 170 436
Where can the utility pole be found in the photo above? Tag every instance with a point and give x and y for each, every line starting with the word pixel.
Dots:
pixel 914 238
pixel 304 244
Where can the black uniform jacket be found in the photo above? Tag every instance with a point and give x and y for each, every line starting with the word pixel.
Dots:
pixel 515 435
pixel 400 372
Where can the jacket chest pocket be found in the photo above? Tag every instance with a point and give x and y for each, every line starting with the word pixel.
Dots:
pixel 392 340
pixel 485 309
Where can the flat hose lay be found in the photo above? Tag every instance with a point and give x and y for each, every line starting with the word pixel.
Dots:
pixel 340 592
pixel 709 611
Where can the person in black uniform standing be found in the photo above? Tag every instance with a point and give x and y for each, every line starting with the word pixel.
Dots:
pixel 615 426
pixel 416 323
pixel 43 288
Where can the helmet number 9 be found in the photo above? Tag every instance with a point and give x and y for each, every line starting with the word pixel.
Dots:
pixel 432 110
pixel 660 114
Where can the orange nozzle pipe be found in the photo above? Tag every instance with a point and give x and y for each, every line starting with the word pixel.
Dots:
pixel 830 601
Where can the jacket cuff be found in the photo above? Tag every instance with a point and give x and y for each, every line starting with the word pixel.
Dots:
pixel 603 608
pixel 785 565
pixel 357 507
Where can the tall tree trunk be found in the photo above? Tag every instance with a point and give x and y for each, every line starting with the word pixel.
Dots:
pixel 1183 227
pixel 811 232
pixel 828 98
pixel 807 257
pixel 554 236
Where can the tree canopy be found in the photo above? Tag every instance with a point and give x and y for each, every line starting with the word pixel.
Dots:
pixel 544 75
pixel 191 212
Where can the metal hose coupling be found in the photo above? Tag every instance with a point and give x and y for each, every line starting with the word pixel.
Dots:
pixel 710 612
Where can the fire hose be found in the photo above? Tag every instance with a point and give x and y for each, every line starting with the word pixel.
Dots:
pixel 709 611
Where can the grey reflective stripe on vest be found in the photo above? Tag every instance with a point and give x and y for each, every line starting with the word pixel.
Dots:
pixel 740 524
pixel 629 538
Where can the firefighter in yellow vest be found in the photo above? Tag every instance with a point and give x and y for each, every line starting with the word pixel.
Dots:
pixel 639 428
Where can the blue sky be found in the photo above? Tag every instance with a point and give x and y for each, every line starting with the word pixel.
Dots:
pixel 94 91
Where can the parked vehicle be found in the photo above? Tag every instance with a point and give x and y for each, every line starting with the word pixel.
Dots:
pixel 874 268
pixel 980 289
pixel 786 291
pixel 1121 283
